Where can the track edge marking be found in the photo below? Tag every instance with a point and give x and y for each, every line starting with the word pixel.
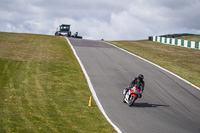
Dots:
pixel 92 89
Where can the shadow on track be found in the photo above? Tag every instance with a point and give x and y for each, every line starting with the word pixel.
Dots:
pixel 144 105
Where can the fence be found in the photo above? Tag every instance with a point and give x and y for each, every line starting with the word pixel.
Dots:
pixel 177 42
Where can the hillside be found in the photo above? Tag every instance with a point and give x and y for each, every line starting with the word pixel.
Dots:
pixel 43 89
pixel 190 38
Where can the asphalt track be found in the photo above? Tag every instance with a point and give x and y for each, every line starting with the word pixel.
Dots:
pixel 168 105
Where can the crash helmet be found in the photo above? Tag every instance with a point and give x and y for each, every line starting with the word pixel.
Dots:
pixel 140 77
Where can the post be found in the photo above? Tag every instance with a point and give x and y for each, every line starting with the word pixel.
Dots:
pixel 90 102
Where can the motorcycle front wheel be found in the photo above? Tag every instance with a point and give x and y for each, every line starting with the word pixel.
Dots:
pixel 131 100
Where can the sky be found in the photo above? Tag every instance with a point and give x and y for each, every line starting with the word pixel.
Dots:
pixel 102 19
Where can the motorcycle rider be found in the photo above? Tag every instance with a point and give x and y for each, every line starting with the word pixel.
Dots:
pixel 139 82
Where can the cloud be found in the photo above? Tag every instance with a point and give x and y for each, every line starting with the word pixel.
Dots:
pixel 111 20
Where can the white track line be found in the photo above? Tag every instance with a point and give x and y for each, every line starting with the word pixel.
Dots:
pixel 92 89
pixel 156 66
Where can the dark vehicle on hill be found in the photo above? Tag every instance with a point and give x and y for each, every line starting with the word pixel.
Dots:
pixel 64 30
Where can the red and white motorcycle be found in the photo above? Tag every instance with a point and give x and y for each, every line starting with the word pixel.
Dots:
pixel 131 95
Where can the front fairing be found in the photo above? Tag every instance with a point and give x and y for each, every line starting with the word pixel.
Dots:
pixel 136 91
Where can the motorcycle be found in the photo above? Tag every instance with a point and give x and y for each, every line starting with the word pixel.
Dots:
pixel 131 95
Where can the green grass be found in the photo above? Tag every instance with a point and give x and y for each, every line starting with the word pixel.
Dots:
pixel 190 38
pixel 43 89
pixel 184 62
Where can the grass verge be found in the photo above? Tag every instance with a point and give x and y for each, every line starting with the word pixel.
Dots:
pixel 184 62
pixel 43 89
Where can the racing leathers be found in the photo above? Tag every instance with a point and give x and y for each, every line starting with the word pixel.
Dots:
pixel 137 82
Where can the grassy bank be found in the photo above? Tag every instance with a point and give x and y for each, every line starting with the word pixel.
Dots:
pixel 184 62
pixel 191 38
pixel 43 89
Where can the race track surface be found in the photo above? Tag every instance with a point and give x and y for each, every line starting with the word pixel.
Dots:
pixel 168 105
